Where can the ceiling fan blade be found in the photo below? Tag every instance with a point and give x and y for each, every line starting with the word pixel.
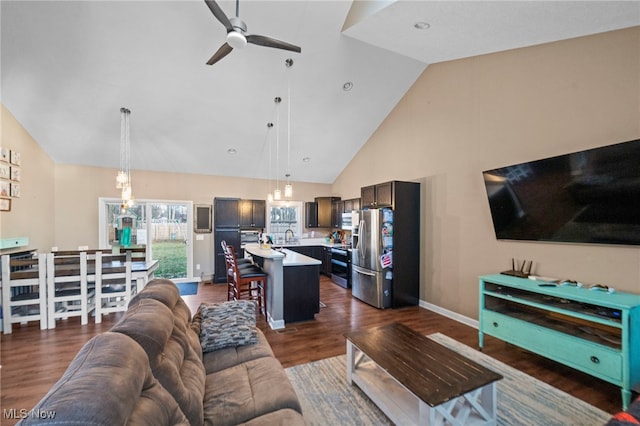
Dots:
pixel 224 50
pixel 272 42
pixel 219 14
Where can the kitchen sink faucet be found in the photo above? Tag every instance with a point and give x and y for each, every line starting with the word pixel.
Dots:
pixel 288 235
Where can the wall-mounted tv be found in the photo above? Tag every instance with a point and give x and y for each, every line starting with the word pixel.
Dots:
pixel 590 196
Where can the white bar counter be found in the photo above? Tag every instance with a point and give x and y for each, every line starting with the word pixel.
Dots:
pixel 301 279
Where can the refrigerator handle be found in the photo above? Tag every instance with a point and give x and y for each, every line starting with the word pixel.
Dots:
pixel 363 272
pixel 362 239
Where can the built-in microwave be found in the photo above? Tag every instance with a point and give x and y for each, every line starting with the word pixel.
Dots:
pixel 350 220
pixel 347 221
pixel 248 237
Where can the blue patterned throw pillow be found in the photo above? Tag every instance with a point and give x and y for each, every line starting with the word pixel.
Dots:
pixel 228 324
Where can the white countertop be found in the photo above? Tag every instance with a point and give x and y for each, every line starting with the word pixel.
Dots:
pixel 289 258
pixel 296 259
pixel 306 242
pixel 256 250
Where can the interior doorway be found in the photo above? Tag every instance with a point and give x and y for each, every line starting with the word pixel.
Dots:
pixel 163 227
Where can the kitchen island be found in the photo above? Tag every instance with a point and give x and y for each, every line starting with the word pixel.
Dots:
pixel 293 284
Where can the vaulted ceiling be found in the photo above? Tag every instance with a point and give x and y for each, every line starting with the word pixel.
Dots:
pixel 68 66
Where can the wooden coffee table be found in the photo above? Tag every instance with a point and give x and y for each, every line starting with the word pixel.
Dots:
pixel 415 380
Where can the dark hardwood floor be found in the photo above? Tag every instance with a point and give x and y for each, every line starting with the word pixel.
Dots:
pixel 33 360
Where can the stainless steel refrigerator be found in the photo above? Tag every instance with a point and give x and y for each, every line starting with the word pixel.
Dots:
pixel 372 258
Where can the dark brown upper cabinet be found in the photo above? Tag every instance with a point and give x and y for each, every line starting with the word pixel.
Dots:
pixel 380 195
pixel 252 214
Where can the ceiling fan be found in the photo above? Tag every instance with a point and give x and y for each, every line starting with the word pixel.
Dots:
pixel 237 37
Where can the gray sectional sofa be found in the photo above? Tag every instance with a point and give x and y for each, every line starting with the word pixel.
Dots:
pixel 149 369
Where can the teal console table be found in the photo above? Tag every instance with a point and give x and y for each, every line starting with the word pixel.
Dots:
pixel 589 330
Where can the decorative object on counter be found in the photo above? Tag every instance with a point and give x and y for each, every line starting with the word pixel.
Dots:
pixel 123 179
pixel 265 241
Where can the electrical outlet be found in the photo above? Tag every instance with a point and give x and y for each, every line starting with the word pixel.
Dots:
pixel 197 266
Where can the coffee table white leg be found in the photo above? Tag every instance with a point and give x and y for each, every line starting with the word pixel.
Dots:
pixel 350 361
pixel 489 402
pixel 426 414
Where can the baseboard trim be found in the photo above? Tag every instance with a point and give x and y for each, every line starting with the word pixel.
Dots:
pixel 449 314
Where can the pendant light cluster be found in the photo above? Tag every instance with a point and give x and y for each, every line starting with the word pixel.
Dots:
pixel 288 188
pixel 123 178
pixel 277 194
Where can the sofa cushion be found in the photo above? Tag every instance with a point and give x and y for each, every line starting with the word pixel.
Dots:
pixel 228 357
pixel 109 382
pixel 172 347
pixel 159 289
pixel 228 324
pixel 251 389
pixel 285 417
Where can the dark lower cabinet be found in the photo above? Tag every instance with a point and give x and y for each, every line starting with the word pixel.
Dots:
pixel 326 261
pixel 232 237
pixel 315 252
pixel 301 292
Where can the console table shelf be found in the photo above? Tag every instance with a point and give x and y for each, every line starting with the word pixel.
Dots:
pixel 589 330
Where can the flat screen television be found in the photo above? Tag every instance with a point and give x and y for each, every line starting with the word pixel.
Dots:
pixel 590 196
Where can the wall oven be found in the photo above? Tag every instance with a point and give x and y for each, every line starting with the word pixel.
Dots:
pixel 341 266
pixel 248 237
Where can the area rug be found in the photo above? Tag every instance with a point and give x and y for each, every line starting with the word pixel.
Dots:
pixel 327 399
pixel 188 289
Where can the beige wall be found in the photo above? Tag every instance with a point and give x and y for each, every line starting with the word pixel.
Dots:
pixel 32 215
pixel 77 223
pixel 59 203
pixel 466 116
pixel 78 188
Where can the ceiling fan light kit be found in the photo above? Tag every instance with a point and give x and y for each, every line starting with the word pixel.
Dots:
pixel 236 40
pixel 237 37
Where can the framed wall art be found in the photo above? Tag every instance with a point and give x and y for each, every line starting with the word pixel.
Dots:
pixel 5 188
pixel 15 190
pixel 5 171
pixel 5 204
pixel 4 154
pixel 14 158
pixel 15 174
